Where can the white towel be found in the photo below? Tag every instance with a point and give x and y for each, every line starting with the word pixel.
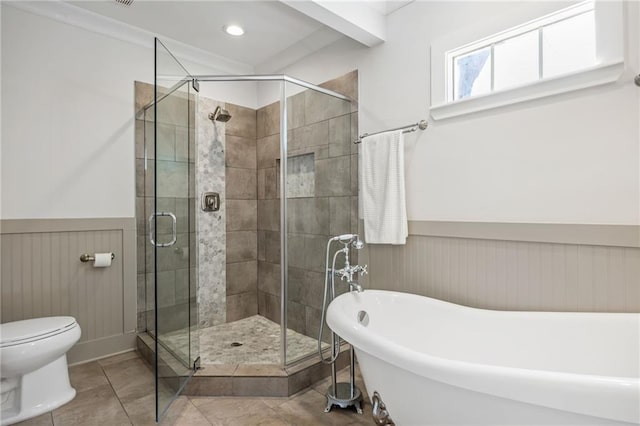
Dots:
pixel 382 188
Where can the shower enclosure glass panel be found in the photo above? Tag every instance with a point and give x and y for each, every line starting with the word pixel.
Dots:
pixel 320 200
pixel 171 228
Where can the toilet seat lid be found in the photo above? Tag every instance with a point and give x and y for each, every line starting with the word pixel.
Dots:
pixel 17 332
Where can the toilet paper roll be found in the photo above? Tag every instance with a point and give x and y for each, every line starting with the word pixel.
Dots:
pixel 103 260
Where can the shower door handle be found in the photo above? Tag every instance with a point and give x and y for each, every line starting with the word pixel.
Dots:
pixel 174 234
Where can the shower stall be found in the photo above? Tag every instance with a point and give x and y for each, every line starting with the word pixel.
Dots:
pixel 234 207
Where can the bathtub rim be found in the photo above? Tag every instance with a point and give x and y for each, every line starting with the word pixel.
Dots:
pixel 605 397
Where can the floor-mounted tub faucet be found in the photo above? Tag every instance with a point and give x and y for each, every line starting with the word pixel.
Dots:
pixel 340 394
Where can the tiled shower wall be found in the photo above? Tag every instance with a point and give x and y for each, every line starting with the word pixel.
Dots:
pixel 175 194
pixel 226 163
pixel 323 202
pixel 322 196
pixel 210 177
pixel 242 214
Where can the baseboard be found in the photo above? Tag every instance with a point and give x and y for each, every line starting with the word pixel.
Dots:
pixel 100 348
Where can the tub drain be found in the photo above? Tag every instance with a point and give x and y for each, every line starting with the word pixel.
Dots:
pixel 235 344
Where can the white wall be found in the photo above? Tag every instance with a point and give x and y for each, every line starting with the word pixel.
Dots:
pixel 0 115
pixel 573 158
pixel 67 134
pixel 68 118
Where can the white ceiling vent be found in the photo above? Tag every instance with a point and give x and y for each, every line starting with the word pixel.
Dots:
pixel 125 2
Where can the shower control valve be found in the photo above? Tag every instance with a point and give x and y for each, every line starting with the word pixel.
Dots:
pixel 210 202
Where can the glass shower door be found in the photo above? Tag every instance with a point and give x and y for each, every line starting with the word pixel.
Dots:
pixel 172 229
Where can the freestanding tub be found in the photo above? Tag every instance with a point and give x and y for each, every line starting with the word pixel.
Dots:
pixel 436 363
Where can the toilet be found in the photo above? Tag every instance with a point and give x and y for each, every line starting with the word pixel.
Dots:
pixel 33 366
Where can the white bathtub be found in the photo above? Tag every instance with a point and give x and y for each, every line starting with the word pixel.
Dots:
pixel 436 363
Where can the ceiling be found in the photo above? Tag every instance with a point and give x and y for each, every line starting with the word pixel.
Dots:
pixel 388 6
pixel 271 27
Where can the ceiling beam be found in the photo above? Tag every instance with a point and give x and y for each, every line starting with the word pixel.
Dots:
pixel 353 19
pixel 312 43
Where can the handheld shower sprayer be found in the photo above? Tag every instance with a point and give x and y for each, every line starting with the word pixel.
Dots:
pixel 346 239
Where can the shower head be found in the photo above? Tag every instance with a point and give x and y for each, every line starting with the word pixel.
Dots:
pixel 220 114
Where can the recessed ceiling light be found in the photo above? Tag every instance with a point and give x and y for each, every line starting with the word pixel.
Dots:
pixel 234 30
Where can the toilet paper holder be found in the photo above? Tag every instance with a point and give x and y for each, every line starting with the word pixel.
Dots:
pixel 86 257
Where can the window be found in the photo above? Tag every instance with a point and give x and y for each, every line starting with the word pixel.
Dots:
pixel 558 44
pixel 533 52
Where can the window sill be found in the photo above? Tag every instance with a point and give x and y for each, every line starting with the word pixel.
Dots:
pixel 594 76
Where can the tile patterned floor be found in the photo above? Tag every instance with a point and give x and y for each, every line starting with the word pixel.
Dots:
pixel 120 391
pixel 260 340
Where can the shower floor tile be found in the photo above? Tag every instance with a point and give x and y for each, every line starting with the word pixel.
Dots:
pixel 259 338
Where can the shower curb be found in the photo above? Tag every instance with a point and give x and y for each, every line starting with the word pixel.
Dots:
pixel 247 379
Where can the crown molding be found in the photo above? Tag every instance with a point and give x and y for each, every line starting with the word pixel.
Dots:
pixel 73 15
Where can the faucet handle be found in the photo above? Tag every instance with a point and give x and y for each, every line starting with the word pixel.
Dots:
pixel 343 274
pixel 363 270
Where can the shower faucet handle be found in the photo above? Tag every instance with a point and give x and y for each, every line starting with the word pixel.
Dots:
pixel 360 270
pixel 210 202
pixel 349 271
pixel 363 270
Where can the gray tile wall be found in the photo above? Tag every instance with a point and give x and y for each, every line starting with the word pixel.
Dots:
pixel 176 178
pixel 239 202
pixel 242 213
pixel 321 129
pixel 268 154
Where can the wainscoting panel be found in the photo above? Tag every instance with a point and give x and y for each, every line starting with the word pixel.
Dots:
pixel 511 275
pixel 42 275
